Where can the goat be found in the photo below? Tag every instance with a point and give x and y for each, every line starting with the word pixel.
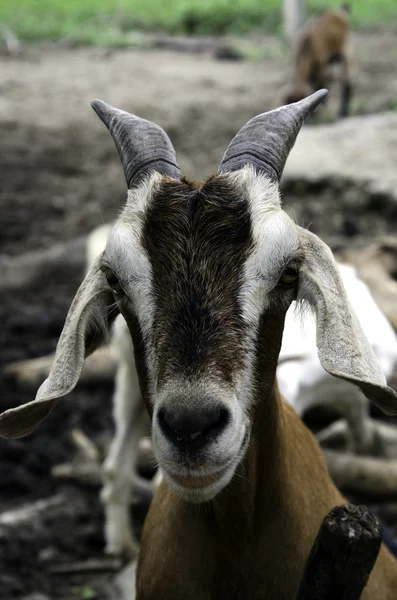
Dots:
pixel 203 274
pixel 303 381
pixel 320 44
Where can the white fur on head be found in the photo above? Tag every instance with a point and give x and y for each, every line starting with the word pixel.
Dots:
pixel 275 243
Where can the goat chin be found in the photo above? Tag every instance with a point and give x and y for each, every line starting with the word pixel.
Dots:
pixel 203 492
pixel 200 487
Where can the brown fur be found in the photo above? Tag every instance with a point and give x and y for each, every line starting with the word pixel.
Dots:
pixel 320 44
pixel 202 327
pixel 252 540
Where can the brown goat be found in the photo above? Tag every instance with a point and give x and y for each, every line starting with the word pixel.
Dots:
pixel 203 276
pixel 320 44
pixel 252 541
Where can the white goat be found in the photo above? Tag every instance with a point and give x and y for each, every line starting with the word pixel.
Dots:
pixel 204 275
pixel 305 383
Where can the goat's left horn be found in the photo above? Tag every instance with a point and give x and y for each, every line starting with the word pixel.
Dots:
pixel 266 140
pixel 142 145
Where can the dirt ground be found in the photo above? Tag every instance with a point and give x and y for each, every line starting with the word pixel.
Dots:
pixel 59 178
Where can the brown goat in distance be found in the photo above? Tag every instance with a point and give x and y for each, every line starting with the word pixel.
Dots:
pixel 319 45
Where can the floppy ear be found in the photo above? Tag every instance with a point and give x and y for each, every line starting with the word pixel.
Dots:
pixel 86 327
pixel 343 349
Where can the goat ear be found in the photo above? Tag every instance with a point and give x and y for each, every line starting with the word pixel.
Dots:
pixel 343 349
pixel 86 327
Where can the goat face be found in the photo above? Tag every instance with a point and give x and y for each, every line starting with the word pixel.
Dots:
pixel 203 277
pixel 198 272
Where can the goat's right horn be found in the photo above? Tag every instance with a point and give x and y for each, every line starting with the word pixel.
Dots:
pixel 142 145
pixel 266 140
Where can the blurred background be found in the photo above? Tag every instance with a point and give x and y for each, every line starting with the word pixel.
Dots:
pixel 200 69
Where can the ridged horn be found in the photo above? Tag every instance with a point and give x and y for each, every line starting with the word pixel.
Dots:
pixel 266 140
pixel 142 145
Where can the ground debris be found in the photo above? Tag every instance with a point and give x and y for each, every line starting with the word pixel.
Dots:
pixel 93 565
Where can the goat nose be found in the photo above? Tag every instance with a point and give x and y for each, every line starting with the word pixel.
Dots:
pixel 185 427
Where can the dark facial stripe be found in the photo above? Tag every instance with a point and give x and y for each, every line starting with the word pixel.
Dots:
pixel 197 241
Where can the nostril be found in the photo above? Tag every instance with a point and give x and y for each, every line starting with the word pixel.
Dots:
pixel 222 420
pixel 190 427
pixel 189 422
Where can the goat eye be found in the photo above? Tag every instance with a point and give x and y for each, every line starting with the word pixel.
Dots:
pixel 114 283
pixel 288 277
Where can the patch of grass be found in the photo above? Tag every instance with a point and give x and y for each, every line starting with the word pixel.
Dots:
pixel 391 104
pixel 110 22
pixel 360 107
pixel 87 593
pixel 363 107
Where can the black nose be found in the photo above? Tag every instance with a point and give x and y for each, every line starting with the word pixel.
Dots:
pixel 192 429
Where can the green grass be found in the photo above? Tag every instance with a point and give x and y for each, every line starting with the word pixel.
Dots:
pixel 116 22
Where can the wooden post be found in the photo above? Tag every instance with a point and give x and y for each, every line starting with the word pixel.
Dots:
pixel 376 477
pixel 342 556
pixel 293 17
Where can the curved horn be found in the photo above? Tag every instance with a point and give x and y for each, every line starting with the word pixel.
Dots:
pixel 142 145
pixel 266 140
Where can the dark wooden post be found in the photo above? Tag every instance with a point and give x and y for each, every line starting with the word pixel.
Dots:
pixel 342 556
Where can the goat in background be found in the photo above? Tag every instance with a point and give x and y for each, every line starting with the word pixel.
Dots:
pixel 203 276
pixel 304 382
pixel 322 43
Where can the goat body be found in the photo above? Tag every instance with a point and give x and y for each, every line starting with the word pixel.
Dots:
pixel 319 45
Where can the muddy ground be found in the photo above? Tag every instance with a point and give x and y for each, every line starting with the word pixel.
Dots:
pixel 59 178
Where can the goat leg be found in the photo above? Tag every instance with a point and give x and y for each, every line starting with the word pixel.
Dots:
pixel 346 88
pixel 120 465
